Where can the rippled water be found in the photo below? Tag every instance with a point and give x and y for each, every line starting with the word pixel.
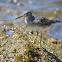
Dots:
pixel 9 9
pixel 35 5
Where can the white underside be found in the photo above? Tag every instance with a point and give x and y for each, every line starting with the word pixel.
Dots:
pixel 26 20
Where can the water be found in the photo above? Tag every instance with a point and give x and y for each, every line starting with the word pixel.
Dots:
pixel 56 31
pixel 35 5
pixel 9 32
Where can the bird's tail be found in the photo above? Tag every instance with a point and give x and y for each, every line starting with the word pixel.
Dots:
pixel 55 21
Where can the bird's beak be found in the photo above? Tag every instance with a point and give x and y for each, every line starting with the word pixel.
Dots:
pixel 19 17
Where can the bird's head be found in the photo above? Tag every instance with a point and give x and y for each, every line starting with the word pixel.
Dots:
pixel 27 14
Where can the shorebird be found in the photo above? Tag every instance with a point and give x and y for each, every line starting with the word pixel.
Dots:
pixel 31 19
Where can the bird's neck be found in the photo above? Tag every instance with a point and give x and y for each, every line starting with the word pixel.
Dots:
pixel 27 19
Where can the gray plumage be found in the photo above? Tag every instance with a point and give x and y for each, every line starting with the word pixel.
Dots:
pixel 29 18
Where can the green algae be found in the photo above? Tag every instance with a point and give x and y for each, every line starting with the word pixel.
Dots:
pixel 26 45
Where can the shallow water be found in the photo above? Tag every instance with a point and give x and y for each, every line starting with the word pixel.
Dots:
pixel 52 9
pixel 56 31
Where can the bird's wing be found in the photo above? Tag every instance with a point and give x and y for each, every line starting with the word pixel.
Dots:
pixel 40 19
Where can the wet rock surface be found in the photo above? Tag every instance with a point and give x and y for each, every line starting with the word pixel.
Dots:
pixel 28 45
pixel 24 43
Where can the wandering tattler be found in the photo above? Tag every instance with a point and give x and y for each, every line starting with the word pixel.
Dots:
pixel 29 18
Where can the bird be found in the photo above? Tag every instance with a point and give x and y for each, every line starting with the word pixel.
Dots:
pixel 32 19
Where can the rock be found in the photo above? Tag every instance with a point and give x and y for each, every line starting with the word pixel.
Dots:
pixel 55 41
